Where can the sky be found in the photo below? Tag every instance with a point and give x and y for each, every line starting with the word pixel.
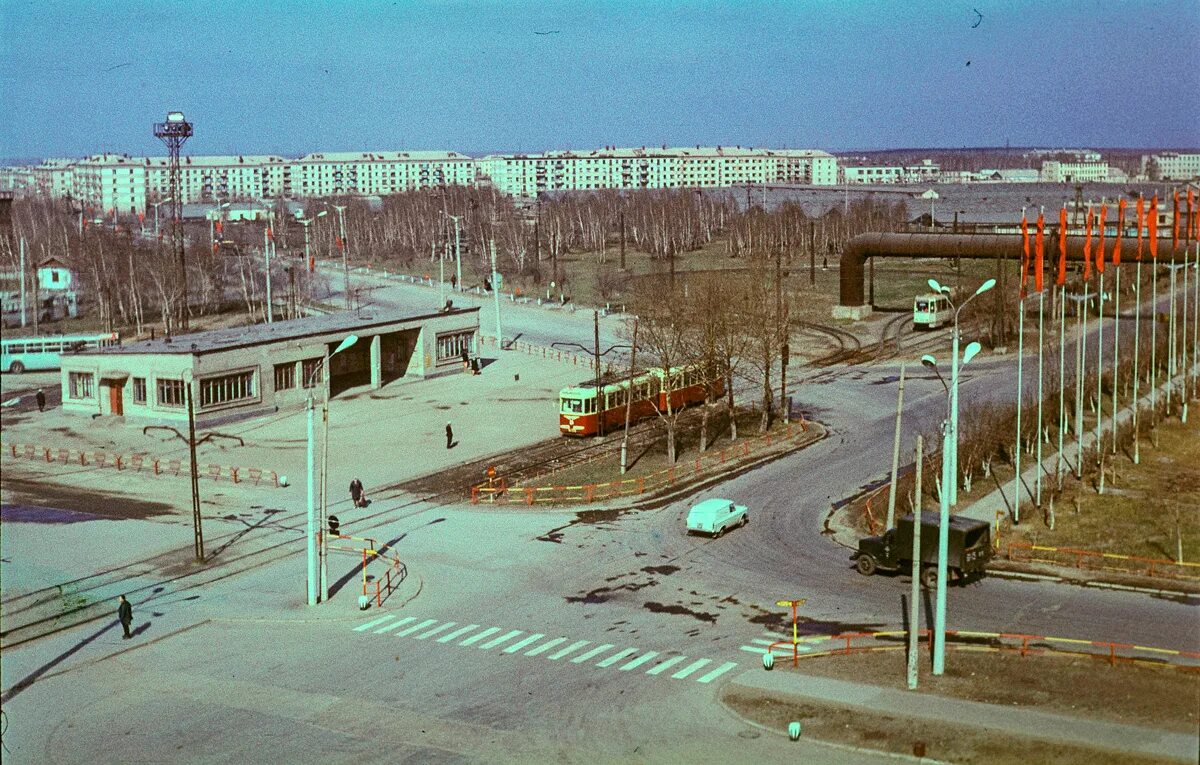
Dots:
pixel 288 78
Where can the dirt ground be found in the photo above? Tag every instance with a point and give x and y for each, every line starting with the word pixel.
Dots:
pixel 1141 695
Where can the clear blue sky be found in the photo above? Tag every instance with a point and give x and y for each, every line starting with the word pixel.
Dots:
pixel 292 77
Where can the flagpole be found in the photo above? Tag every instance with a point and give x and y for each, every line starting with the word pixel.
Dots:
pixel 1116 354
pixel 1196 321
pixel 1079 383
pixel 1020 378
pixel 1183 343
pixel 1062 372
pixel 1154 341
pixel 1137 371
pixel 1100 381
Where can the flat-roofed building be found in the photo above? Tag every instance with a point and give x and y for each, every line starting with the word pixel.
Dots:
pixel 111 184
pixel 241 372
pixel 1171 166
pixel 52 178
pixel 386 172
pixel 1090 169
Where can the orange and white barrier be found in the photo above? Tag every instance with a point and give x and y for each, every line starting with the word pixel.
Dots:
pixel 1092 559
pixel 137 462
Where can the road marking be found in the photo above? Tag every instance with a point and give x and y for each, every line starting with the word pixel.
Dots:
pixel 597 650
pixel 639 661
pixel 666 665
pixel 569 649
pixel 611 660
pixel 689 669
pixel 435 631
pixel 476 638
pixel 457 632
pixel 522 643
pixel 372 623
pixel 754 649
pixel 717 672
pixel 546 646
pixel 395 625
pixel 760 641
pixel 416 627
pixel 503 638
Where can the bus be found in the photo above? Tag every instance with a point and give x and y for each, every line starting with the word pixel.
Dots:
pixel 33 354
pixel 931 311
pixel 581 412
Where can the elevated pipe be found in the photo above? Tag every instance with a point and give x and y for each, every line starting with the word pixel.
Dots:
pixel 971 246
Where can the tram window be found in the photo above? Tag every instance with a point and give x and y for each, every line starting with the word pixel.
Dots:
pixel 572 406
pixel 922 305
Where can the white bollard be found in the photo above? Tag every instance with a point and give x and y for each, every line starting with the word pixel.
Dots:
pixel 768 661
pixel 364 602
pixel 794 731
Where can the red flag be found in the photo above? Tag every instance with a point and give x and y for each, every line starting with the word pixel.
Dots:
pixel 141 217
pixel 1060 278
pixel 1101 222
pixel 1039 251
pixel 1191 216
pixel 216 248
pixel 1152 229
pixel 1141 213
pixel 338 241
pixel 1024 252
pixel 219 226
pixel 1120 225
pixel 1087 247
pixel 312 263
pixel 1175 224
pixel 271 233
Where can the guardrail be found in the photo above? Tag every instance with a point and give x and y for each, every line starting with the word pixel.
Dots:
pixel 551 354
pixel 384 586
pixel 1092 559
pixel 140 463
pixel 1024 644
pixel 595 492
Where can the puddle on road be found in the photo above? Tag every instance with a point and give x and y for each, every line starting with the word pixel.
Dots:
pixel 665 570
pixel 662 608
pixel 50 515
pixel 99 506
pixel 583 516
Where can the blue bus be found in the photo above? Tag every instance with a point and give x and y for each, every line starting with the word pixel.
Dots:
pixel 33 354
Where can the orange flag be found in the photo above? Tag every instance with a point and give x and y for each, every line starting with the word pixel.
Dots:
pixel 1152 228
pixel 1120 225
pixel 1141 213
pixel 1060 278
pixel 271 233
pixel 1087 247
pixel 219 227
pixel 1039 250
pixel 1175 225
pixel 1101 222
pixel 1191 216
pixel 1024 252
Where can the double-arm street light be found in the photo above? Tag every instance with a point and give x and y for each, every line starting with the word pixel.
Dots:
pixel 156 205
pixel 309 382
pixel 939 618
pixel 944 290
pixel 308 261
pixel 345 247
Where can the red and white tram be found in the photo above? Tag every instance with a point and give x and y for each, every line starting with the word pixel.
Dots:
pixel 580 409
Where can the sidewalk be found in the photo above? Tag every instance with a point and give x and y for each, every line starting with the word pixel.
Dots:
pixel 1010 720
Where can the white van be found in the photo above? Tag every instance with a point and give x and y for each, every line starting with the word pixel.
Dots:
pixel 716 516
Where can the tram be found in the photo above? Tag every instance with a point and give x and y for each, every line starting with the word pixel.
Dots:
pixel 581 410
pixel 931 311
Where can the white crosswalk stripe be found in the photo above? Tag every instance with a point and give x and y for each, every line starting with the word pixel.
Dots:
pixel 653 663
pixel 524 642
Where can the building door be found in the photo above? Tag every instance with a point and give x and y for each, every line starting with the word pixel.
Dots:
pixel 115 399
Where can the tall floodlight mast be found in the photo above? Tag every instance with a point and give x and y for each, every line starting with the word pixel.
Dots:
pixel 174 132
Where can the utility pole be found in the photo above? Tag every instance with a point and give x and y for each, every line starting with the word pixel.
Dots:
pixel 599 389
pixel 629 401
pixel 496 294
pixel 267 254
pixel 622 236
pixel 812 253
pixel 24 277
pixel 891 516
pixel 914 598
pixel 195 471
pixel 341 211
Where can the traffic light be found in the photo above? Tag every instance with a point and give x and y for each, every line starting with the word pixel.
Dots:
pixel 333 526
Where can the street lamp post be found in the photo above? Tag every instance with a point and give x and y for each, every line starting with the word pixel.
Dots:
pixel 341 211
pixel 312 494
pixel 944 290
pixel 458 285
pixel 939 618
pixel 156 205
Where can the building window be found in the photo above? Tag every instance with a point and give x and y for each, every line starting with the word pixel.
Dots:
pixel 227 389
pixel 81 385
pixel 285 376
pixel 452 346
pixel 139 390
pixel 311 372
pixel 170 392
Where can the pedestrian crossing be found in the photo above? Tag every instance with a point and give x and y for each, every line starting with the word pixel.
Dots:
pixel 551 648
pixel 762 645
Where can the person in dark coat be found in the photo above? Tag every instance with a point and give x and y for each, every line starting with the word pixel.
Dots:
pixel 125 614
pixel 466 357
pixel 41 400
pixel 356 492
pixel 449 435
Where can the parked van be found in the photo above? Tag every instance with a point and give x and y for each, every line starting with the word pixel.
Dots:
pixel 716 516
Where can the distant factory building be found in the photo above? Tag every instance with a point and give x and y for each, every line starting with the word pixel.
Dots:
pixel 240 372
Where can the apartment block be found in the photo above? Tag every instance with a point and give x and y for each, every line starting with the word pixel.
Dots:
pixel 1171 166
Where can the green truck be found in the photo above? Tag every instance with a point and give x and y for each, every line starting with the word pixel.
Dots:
pixel 968 550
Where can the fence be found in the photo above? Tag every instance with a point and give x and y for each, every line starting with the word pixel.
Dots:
pixel 1022 644
pixel 596 492
pixel 586 361
pixel 140 463
pixel 395 573
pixel 1091 559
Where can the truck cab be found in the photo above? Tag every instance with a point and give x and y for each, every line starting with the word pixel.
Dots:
pixel 969 548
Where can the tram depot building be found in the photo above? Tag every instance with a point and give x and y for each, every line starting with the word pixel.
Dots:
pixel 241 372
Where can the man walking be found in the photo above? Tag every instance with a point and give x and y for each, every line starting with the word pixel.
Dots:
pixel 125 614
pixel 356 493
pixel 41 400
pixel 449 436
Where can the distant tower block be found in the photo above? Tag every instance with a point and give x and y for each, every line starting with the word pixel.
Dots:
pixel 174 133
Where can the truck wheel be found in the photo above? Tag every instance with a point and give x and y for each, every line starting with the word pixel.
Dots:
pixel 865 565
pixel 929 577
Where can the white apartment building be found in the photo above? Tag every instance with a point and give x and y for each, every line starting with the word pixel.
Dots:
pixel 378 173
pixel 110 184
pixel 528 175
pixel 220 178
pixel 927 171
pixel 1171 166
pixel 1091 169
pixel 52 178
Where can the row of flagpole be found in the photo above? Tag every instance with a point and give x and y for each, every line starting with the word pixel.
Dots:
pixel 1147 232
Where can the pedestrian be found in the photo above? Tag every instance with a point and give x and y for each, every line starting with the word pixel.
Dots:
pixel 449 435
pixel 356 493
pixel 41 400
pixel 466 358
pixel 125 614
